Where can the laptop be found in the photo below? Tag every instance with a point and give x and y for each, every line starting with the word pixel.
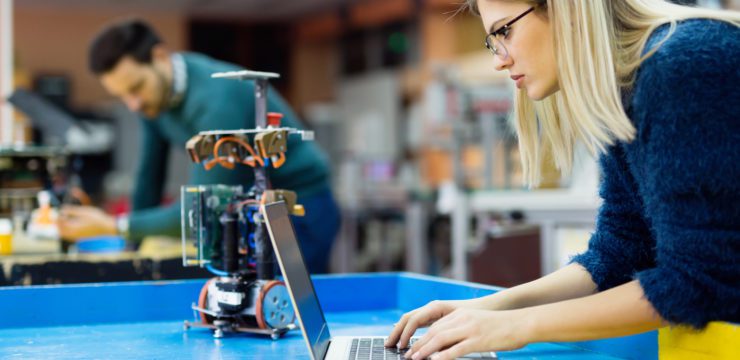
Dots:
pixel 321 345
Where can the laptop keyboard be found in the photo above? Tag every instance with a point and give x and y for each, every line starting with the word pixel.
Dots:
pixel 374 349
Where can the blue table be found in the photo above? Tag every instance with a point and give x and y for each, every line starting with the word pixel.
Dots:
pixel 144 320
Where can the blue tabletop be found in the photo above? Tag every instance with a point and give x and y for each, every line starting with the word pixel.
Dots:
pixel 144 320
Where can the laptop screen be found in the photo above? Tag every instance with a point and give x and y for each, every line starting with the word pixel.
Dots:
pixel 300 287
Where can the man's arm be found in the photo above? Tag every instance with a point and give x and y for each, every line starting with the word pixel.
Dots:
pixel 151 169
pixel 160 220
pixel 81 222
pixel 146 218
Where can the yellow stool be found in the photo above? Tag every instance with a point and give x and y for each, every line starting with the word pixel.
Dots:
pixel 718 341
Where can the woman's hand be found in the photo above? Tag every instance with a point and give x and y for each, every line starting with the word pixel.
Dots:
pixel 419 318
pixel 466 331
pixel 619 311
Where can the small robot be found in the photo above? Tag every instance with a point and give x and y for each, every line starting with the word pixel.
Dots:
pixel 227 228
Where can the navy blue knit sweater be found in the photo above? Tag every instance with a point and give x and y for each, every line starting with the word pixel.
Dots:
pixel 671 211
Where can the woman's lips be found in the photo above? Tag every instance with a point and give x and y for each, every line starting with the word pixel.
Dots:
pixel 518 79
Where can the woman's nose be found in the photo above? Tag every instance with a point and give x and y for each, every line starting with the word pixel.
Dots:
pixel 500 63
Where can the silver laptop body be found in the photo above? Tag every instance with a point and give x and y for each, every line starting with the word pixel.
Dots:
pixel 321 345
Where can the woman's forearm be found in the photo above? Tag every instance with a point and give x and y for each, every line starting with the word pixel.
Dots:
pixel 620 311
pixel 570 282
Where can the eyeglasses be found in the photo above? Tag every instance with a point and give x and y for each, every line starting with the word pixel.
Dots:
pixel 493 39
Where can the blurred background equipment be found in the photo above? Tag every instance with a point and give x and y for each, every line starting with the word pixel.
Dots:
pixel 33 181
pixel 401 94
pixel 53 123
pixel 89 142
pixel 38 179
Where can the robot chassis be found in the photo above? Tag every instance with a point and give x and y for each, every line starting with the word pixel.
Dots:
pixel 227 227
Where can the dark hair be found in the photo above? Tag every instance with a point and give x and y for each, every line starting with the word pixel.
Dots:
pixel 133 37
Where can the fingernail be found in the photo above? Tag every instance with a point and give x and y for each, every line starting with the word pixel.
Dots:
pixel 415 356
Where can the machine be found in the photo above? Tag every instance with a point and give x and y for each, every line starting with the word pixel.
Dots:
pixel 226 227
pixel 27 170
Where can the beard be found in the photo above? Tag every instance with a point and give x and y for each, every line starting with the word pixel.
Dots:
pixel 158 106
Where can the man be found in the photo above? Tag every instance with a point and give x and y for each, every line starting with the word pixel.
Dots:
pixel 177 98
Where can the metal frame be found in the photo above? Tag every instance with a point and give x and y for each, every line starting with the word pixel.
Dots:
pixel 550 209
pixel 6 71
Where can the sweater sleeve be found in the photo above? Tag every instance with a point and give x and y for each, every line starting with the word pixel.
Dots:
pixel 687 102
pixel 621 244
pixel 147 216
pixel 151 171
pixel 160 220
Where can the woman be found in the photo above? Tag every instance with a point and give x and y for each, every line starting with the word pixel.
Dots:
pixel 653 88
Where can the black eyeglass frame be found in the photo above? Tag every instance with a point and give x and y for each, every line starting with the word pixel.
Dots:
pixel 503 30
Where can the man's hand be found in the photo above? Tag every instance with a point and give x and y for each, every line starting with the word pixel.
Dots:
pixel 77 222
pixel 466 331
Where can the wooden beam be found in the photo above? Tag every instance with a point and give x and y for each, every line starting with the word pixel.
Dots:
pixel 379 12
pixel 320 27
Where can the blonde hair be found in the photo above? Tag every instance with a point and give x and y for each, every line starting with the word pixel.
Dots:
pixel 598 48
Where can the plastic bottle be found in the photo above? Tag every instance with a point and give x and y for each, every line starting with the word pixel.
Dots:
pixel 6 237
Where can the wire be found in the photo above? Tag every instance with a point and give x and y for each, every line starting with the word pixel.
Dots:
pixel 222 159
pixel 247 202
pixel 249 161
pixel 263 199
pixel 243 144
pixel 208 165
pixel 215 271
pixel 275 163
pixel 280 161
pixel 251 240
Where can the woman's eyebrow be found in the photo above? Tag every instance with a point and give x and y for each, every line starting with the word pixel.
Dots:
pixel 493 26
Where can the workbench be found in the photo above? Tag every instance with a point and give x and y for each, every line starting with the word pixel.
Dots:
pixel 144 320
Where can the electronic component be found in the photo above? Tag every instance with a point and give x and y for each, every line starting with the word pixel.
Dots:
pixel 226 226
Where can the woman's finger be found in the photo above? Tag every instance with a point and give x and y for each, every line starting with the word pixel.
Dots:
pixel 440 340
pixel 418 318
pixel 447 321
pixel 412 325
pixel 398 329
pixel 460 349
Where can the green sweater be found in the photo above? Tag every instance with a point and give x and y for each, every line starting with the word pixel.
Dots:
pixel 211 104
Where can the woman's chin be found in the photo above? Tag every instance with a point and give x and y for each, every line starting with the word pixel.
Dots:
pixel 537 94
